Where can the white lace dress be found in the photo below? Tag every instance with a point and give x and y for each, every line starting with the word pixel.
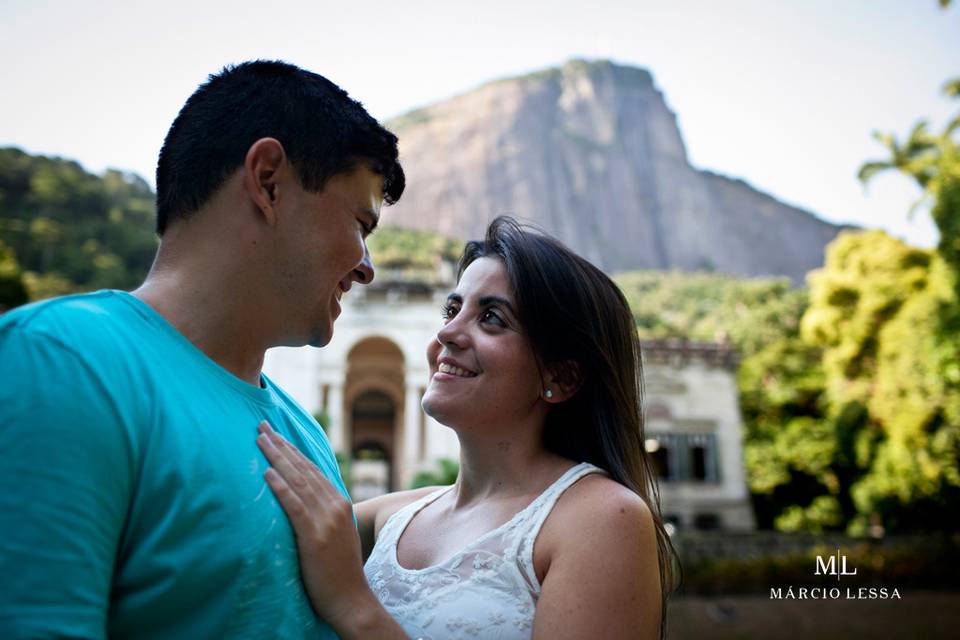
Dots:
pixel 487 590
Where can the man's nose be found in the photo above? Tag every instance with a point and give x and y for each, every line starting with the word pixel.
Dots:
pixel 364 272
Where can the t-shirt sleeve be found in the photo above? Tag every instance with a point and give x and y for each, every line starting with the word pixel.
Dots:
pixel 66 472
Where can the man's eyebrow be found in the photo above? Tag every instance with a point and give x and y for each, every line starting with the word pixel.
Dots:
pixel 373 216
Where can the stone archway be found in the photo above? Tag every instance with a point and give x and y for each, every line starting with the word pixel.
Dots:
pixel 374 401
pixel 373 444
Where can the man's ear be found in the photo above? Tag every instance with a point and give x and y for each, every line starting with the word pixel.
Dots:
pixel 262 168
pixel 562 381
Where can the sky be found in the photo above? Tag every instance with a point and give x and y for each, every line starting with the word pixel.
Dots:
pixel 782 94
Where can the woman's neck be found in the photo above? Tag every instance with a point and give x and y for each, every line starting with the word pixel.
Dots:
pixel 505 467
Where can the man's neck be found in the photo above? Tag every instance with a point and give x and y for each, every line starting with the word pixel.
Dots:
pixel 212 314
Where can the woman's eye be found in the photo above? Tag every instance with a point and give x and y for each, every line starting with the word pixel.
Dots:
pixel 491 316
pixel 448 311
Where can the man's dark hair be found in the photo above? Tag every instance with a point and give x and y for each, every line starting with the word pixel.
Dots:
pixel 323 131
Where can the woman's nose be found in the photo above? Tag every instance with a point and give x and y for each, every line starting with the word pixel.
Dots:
pixel 452 334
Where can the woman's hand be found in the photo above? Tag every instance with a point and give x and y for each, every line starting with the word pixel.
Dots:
pixel 327 539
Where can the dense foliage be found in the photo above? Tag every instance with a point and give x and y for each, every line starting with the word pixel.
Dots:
pixel 879 310
pixel 444 475
pixel 63 229
pixel 788 444
pixel 393 248
pixel 408 255
pixel 897 353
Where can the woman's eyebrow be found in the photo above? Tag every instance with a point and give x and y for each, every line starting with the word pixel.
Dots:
pixel 485 301
pixel 489 300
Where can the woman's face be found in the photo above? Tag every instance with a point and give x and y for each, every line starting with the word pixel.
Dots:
pixel 482 369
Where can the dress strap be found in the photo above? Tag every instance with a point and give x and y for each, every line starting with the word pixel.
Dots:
pixel 547 500
pixel 396 523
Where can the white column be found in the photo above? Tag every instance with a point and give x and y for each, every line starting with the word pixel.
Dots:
pixel 335 430
pixel 411 433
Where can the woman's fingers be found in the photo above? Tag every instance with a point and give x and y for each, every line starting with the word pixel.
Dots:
pixel 289 500
pixel 297 462
pixel 282 464
pixel 322 520
pixel 317 495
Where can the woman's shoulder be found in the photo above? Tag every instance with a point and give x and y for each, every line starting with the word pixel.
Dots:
pixel 598 497
pixel 606 516
pixel 597 564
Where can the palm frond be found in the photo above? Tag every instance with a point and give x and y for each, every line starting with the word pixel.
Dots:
pixel 952 88
pixel 924 202
pixel 869 169
pixel 952 126
pixel 886 139
pixel 917 145
pixel 919 129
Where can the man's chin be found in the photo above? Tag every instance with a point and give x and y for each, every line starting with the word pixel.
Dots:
pixel 320 337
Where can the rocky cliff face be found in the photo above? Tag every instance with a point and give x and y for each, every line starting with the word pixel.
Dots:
pixel 591 153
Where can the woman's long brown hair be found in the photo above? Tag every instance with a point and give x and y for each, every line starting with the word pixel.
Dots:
pixel 579 323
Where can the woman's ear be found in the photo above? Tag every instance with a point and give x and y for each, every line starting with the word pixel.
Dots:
pixel 562 381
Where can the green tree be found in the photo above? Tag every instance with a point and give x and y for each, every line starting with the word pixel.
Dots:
pixel 71 230
pixel 877 311
pixel 798 462
pixel 446 474
pixel 933 162
pixel 13 291
pixel 906 365
pixel 393 247
pixel 798 466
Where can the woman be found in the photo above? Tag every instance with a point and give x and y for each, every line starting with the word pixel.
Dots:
pixel 552 529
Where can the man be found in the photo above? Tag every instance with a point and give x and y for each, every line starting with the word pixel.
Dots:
pixel 133 500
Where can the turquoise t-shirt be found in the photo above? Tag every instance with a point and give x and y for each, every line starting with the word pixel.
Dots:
pixel 132 499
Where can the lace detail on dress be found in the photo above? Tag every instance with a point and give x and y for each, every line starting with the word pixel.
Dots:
pixel 487 590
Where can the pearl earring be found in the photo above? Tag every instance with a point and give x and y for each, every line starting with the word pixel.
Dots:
pixel 548 394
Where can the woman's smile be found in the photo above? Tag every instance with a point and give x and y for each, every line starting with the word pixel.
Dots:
pixel 454 368
pixel 455 371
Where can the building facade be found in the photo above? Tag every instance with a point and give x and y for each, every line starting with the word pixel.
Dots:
pixel 694 434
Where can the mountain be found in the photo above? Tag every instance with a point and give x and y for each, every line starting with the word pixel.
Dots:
pixel 591 153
